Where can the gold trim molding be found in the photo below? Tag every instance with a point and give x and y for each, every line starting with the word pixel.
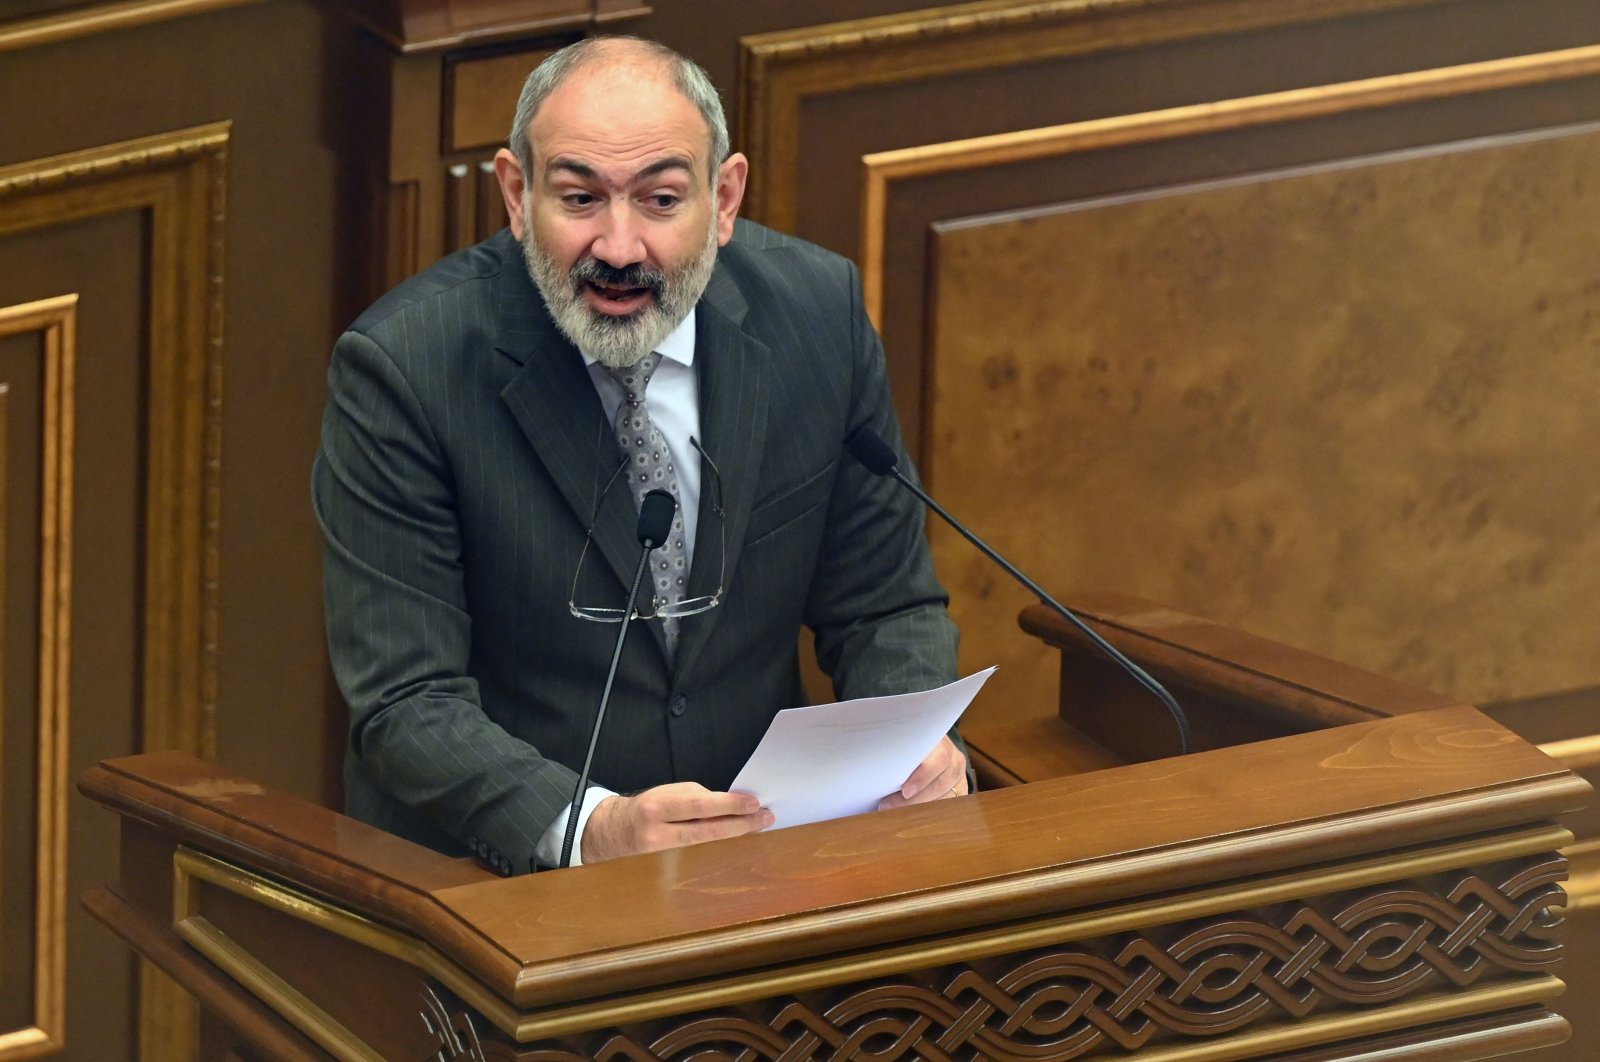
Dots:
pixel 252 974
pixel 1583 878
pixel 882 169
pixel 178 181
pixel 779 71
pixel 192 868
pixel 40 30
pixel 1575 754
pixel 56 321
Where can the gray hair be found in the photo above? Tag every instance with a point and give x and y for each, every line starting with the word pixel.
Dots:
pixel 687 77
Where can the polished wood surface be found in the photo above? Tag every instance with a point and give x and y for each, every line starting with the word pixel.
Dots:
pixel 1235 687
pixel 723 902
pixel 1318 427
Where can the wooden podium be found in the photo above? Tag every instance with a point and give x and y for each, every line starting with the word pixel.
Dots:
pixel 1384 885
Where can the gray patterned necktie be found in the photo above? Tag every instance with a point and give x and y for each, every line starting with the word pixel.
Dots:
pixel 650 468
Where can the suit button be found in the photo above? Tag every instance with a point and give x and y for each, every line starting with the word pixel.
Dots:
pixel 679 705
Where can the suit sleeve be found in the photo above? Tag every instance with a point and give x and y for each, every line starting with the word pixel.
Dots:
pixel 399 633
pixel 875 606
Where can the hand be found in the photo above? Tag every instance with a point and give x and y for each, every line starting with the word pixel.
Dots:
pixel 668 816
pixel 942 774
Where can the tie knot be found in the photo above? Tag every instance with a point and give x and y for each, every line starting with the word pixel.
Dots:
pixel 635 378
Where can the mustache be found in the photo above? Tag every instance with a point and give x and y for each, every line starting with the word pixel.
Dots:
pixel 638 275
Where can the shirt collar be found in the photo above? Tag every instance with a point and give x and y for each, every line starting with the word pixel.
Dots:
pixel 678 346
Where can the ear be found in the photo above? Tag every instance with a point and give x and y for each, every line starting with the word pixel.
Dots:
pixel 513 183
pixel 730 193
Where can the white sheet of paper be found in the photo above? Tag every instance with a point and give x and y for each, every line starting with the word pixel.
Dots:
pixel 830 760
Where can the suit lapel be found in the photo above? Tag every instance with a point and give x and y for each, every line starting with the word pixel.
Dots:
pixel 554 402
pixel 733 428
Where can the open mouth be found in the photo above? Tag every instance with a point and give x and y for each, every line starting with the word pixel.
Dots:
pixel 616 298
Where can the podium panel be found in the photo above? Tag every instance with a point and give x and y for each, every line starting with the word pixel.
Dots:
pixel 1388 889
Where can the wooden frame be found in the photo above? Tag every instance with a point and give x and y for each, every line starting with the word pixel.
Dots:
pixel 180 180
pixel 38 30
pixel 882 170
pixel 56 322
pixel 779 71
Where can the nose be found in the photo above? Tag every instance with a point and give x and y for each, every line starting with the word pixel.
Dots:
pixel 620 241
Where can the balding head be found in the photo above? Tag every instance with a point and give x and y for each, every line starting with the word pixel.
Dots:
pixel 631 57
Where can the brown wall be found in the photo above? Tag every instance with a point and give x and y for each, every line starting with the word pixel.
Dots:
pixel 206 264
pixel 212 269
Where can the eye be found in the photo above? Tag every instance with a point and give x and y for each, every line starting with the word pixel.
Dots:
pixel 577 200
pixel 664 201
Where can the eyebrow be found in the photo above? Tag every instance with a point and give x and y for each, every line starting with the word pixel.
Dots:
pixel 660 166
pixel 589 173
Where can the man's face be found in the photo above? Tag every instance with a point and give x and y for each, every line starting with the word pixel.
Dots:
pixel 620 219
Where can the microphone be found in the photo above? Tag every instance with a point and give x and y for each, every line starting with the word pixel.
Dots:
pixel 877 457
pixel 655 518
pixel 656 510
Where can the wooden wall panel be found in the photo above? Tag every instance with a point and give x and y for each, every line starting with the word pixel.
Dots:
pixel 814 101
pixel 34 23
pixel 1349 409
pixel 33 755
pixel 276 71
pixel 1015 57
pixel 153 210
pixel 155 231
pixel 174 184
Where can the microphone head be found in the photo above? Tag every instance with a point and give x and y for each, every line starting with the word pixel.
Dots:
pixel 655 518
pixel 873 453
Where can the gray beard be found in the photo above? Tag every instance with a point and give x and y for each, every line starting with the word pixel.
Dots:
pixel 617 342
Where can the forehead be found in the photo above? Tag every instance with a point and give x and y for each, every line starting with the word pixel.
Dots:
pixel 616 113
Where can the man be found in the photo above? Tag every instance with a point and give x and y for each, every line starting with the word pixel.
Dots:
pixel 472 492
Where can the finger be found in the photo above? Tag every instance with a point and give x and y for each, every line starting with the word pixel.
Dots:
pixel 948 782
pixel 623 826
pixel 657 836
pixel 691 801
pixel 724 826
pixel 926 774
pixel 934 766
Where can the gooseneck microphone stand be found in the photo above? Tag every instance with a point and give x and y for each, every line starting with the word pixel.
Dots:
pixel 877 457
pixel 655 523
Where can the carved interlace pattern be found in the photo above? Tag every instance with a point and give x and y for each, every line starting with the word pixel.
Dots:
pixel 450 1037
pixel 1171 983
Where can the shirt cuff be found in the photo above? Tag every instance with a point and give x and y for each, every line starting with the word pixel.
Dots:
pixel 548 850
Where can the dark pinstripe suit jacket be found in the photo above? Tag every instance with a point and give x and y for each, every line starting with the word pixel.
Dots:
pixel 464 449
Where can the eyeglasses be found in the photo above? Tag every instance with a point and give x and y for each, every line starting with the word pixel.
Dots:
pixel 674 610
